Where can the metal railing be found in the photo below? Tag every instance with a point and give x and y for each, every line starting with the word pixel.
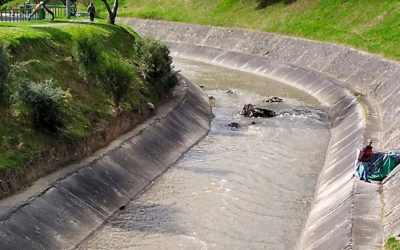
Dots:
pixel 16 15
pixel 23 12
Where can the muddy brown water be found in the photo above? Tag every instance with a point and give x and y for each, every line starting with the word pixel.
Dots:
pixel 244 188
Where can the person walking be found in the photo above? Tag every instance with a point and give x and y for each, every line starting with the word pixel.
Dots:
pixel 92 11
pixel 364 161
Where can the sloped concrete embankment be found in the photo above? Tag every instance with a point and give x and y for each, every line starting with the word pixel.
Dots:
pixel 345 214
pixel 68 211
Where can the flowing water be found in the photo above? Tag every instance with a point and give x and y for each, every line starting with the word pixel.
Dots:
pixel 240 188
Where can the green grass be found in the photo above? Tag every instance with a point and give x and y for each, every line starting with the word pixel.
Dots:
pixel 53 45
pixel 372 26
pixel 392 244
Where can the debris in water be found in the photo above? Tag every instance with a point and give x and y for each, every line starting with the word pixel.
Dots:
pixel 229 91
pixel 273 99
pixel 211 97
pixel 250 111
pixel 234 125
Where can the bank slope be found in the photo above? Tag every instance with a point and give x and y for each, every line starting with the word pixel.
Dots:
pixel 372 26
pixel 70 89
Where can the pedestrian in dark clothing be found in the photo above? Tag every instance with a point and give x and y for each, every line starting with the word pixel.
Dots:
pixel 364 161
pixel 92 11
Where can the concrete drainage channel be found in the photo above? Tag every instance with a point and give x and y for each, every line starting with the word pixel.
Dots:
pixel 346 214
pixel 331 219
pixel 70 209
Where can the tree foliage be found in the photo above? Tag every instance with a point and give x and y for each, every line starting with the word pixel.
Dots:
pixel 4 1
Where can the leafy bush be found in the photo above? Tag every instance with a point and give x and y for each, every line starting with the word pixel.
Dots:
pixel 88 54
pixel 156 64
pixel 16 80
pixel 392 244
pixel 45 102
pixel 156 59
pixel 117 77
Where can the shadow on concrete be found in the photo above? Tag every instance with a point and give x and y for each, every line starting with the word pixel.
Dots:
pixel 148 217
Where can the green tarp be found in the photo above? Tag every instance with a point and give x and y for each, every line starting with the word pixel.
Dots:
pixel 388 164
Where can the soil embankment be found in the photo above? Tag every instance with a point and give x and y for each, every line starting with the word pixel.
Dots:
pixel 64 94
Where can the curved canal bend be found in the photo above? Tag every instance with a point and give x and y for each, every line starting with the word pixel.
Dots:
pixel 245 188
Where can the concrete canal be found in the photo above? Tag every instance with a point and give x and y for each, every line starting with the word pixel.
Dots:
pixel 240 188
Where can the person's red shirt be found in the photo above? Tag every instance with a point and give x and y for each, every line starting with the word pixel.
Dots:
pixel 366 154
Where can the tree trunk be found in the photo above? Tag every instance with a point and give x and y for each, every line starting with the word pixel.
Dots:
pixel 111 18
pixel 49 11
pixel 112 14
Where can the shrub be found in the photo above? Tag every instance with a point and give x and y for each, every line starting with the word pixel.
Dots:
pixel 117 77
pixel 16 80
pixel 88 54
pixel 45 102
pixel 392 244
pixel 156 59
pixel 156 64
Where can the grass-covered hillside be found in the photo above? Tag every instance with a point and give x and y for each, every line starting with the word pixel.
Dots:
pixel 372 25
pixel 62 83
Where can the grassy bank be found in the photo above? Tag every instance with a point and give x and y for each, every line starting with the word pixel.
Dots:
pixel 372 26
pixel 68 82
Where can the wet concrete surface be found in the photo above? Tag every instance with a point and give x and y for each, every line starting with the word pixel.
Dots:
pixel 244 188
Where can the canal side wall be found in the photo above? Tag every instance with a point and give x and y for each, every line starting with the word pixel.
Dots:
pixel 73 207
pixel 362 92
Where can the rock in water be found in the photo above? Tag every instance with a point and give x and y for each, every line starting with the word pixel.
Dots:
pixel 234 125
pixel 250 111
pixel 273 99
pixel 260 112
